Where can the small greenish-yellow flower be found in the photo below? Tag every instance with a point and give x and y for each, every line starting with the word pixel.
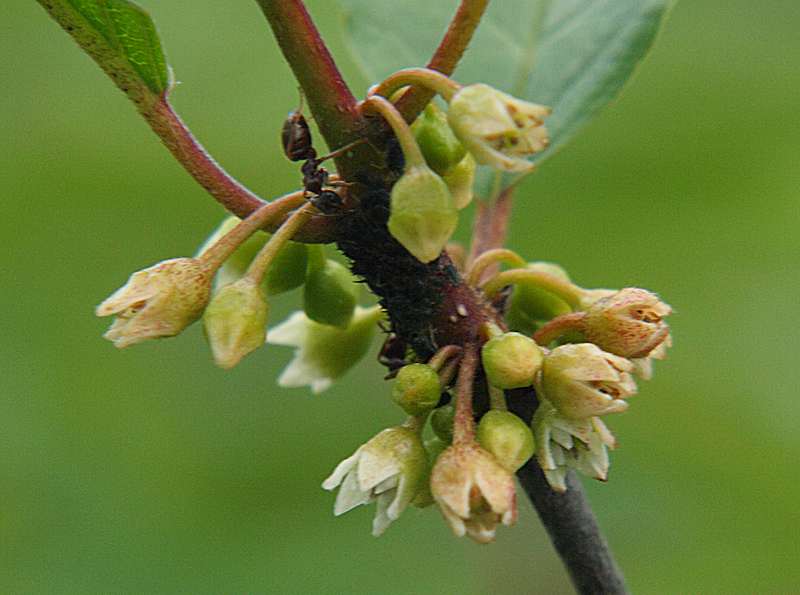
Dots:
pixel 389 469
pixel 563 443
pixel 473 491
pixel 417 389
pixel 460 181
pixel 531 306
pixel 442 422
pixel 581 380
pixel 507 437
pixel 159 301
pixel 629 323
pixel 330 294
pixel 438 144
pixel 511 360
pixel 323 353
pixel 422 213
pixel 498 129
pixel 235 321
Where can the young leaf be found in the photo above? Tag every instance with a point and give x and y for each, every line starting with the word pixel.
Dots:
pixel 122 39
pixel 572 55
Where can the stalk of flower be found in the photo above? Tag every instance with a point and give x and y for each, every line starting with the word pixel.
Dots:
pixel 235 320
pixel 422 215
pixel 389 469
pixel 564 289
pixel 563 443
pixel 498 129
pixel 473 490
pixel 162 300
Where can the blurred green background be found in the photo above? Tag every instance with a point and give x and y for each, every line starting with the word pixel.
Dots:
pixel 150 471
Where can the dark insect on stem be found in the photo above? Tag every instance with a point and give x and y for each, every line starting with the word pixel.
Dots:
pixel 298 145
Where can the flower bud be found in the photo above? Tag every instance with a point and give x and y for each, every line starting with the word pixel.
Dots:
pixel 531 306
pixel 460 181
pixel 330 294
pixel 581 380
pixel 389 469
pixel 499 130
pixel 442 422
pixel 628 323
pixel 511 360
pixel 323 353
pixel 507 437
pixel 235 322
pixel 439 146
pixel 287 272
pixel 423 216
pixel 159 301
pixel 416 389
pixel 473 491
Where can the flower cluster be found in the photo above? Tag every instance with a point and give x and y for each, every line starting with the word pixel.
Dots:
pixel 569 354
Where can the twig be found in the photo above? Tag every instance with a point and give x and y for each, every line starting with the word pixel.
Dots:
pixel 573 529
pixel 447 55
pixel 331 101
pixel 214 179
pixel 491 224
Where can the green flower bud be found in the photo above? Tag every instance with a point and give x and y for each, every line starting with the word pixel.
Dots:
pixel 628 323
pixel 581 380
pixel 235 322
pixel 499 130
pixel 442 422
pixel 511 360
pixel 531 306
pixel 159 301
pixel 439 146
pixel 460 181
pixel 416 389
pixel 507 437
pixel 330 294
pixel 433 447
pixel 423 216
pixel 287 272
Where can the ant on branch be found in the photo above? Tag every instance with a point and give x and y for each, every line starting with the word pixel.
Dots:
pixel 298 145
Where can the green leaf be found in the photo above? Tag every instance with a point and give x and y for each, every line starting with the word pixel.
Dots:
pixel 572 55
pixel 121 37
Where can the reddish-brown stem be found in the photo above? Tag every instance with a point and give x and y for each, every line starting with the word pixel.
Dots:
pixel 447 55
pixel 463 422
pixel 491 225
pixel 558 326
pixel 333 105
pixel 210 175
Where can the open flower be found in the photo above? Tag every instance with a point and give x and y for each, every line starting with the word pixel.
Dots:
pixel 159 301
pixel 473 491
pixel 324 352
pixel 563 443
pixel 629 322
pixel 582 380
pixel 389 469
pixel 498 129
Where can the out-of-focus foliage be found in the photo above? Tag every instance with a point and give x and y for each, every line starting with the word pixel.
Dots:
pixel 152 471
